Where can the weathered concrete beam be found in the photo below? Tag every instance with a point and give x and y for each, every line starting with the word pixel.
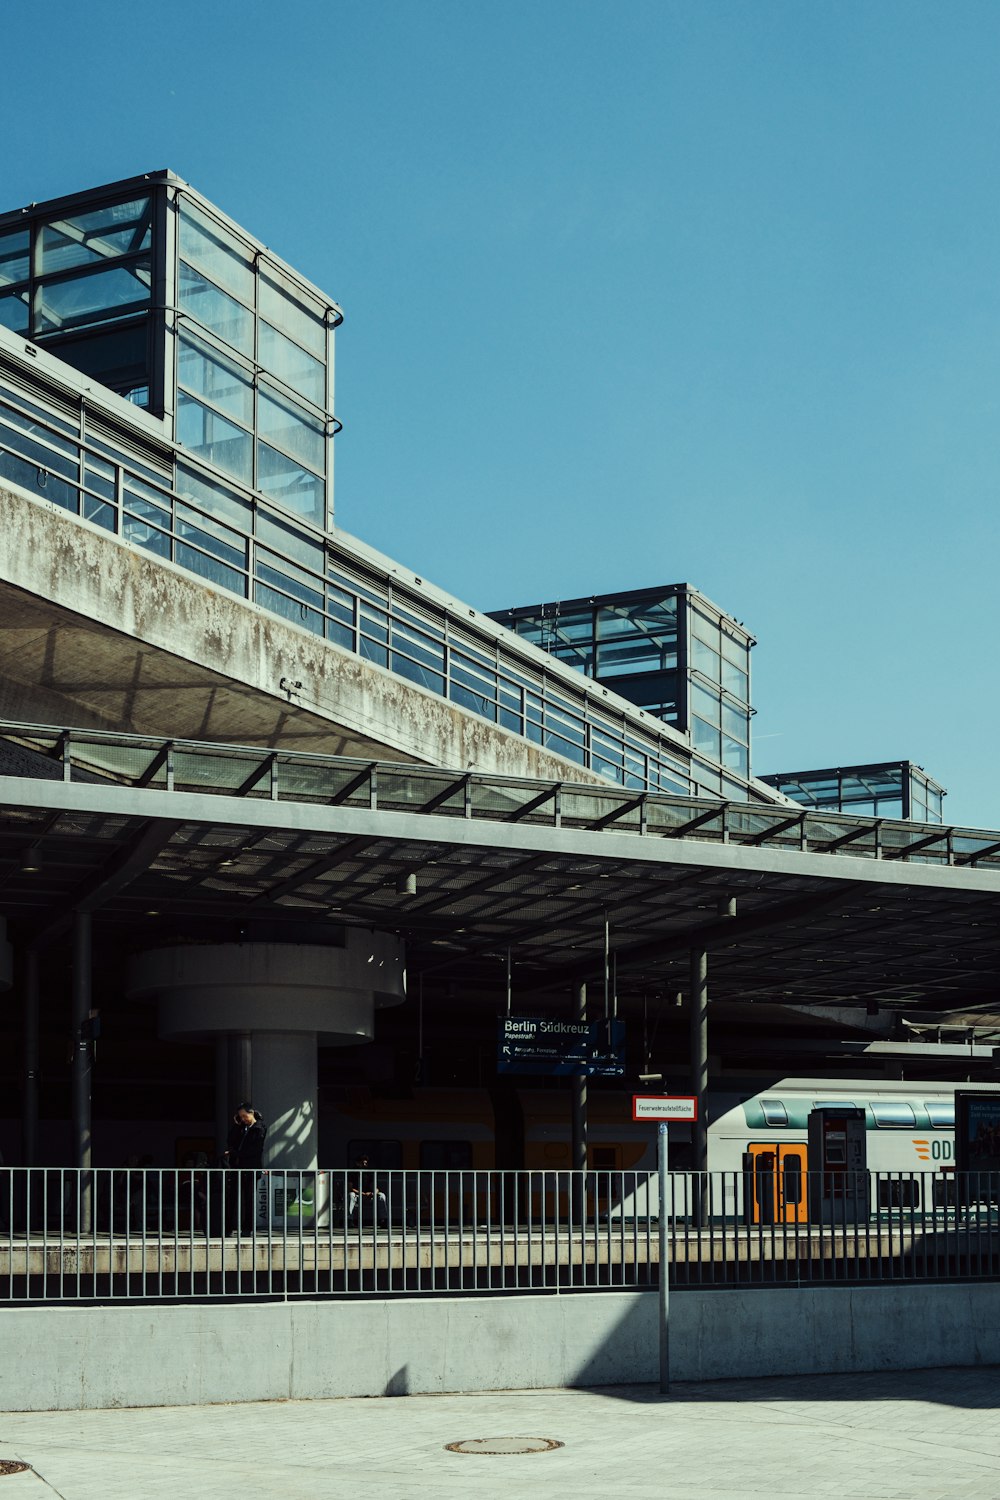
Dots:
pixel 98 634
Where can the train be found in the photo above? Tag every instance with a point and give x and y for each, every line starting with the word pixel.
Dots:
pixel 757 1140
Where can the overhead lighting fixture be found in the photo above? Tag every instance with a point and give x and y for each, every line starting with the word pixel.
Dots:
pixel 31 861
pixel 406 884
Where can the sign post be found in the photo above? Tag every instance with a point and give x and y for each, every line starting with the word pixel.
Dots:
pixel 661 1162
pixel 664 1107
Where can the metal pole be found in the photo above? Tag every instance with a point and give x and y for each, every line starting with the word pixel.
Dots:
pixel 81 1061
pixel 29 1099
pixel 607 966
pixel 578 1086
pixel 699 1080
pixel 579 1090
pixel 664 1299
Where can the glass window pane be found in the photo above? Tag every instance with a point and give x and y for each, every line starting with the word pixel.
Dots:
pixel 705 629
pixel 734 681
pixel 287 426
pixel 734 651
pixel 893 1114
pixel 704 659
pixel 734 721
pixel 102 234
pixel 284 308
pixel 219 441
pixel 705 737
pixel 219 254
pixel 13 256
pixel 210 535
pixel 289 540
pixel 91 298
pixel 14 311
pixel 735 756
pixel 214 498
pixel 215 310
pixel 217 379
pixel 289 485
pixel 280 357
pixel 705 703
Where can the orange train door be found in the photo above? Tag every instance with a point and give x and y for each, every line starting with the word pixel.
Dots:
pixel 778 1182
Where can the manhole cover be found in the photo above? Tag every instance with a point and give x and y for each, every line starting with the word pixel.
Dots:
pixel 12 1466
pixel 504 1445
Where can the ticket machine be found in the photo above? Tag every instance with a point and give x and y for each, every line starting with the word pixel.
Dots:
pixel 838 1160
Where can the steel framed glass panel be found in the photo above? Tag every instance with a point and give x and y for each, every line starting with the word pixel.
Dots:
pixel 80 283
pixel 274 337
pixel 885 789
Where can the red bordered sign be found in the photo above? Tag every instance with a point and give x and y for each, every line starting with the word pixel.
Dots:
pixel 664 1107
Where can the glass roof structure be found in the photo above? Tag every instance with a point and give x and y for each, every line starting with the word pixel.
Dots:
pixel 827 904
pixel 886 789
pixel 670 651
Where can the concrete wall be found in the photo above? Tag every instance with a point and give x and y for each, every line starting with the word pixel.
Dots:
pixel 71 1358
pixel 96 634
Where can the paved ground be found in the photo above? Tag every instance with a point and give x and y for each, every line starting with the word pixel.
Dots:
pixel 855 1437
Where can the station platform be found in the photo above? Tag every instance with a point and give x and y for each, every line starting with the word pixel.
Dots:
pixel 925 1435
pixel 619 1253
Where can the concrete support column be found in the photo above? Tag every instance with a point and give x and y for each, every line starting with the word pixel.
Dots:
pixel 699 1056
pixel 80 1067
pixel 240 1069
pixel 223 1108
pixel 268 1006
pixel 29 1096
pixel 285 1092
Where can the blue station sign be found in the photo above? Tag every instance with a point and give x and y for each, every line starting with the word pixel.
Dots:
pixel 546 1045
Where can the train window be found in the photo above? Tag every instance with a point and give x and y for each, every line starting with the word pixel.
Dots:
pixel 791 1168
pixel 834 1104
pixel 383 1156
pixel 900 1192
pixel 941 1113
pixel 775 1112
pixel 893 1114
pixel 446 1156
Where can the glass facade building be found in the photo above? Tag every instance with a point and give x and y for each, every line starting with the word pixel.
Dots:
pixel 672 653
pixel 166 377
pixel 147 288
pixel 887 789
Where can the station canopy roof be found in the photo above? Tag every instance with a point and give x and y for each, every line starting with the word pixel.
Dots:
pixel 156 836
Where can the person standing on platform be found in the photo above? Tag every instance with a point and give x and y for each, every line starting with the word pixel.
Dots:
pixel 244 1156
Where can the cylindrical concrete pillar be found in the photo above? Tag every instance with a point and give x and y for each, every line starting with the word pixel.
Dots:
pixel 223 1108
pixel 240 1067
pixel 284 1065
pixel 274 1002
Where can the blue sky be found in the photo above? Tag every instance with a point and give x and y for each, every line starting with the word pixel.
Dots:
pixel 635 293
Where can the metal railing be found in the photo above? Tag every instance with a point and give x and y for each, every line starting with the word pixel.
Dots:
pixel 136 1234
